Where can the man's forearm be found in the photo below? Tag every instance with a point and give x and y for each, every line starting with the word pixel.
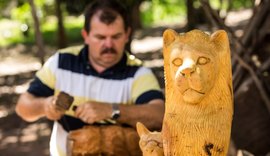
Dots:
pixel 150 114
pixel 29 107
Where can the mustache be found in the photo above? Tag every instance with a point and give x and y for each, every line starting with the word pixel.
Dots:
pixel 108 51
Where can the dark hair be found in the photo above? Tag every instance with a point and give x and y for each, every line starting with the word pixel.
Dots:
pixel 110 10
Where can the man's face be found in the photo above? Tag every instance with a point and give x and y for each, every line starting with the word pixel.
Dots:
pixel 106 42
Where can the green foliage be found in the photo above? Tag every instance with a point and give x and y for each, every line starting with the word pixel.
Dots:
pixel 153 12
pixel 75 8
pixel 22 13
pixel 240 4
pixel 162 12
pixel 3 8
pixel 73 28
pixel 13 34
pixel 235 4
pixel 9 31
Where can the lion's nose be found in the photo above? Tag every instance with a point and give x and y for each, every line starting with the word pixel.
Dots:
pixel 187 71
pixel 187 68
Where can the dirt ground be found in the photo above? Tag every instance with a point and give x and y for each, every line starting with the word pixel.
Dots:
pixel 18 137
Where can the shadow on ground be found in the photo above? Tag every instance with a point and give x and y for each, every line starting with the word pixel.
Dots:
pixel 17 136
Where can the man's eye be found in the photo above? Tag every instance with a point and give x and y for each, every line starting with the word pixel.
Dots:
pixel 116 36
pixel 177 62
pixel 100 37
pixel 203 60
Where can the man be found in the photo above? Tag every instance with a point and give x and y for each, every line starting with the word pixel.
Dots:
pixel 106 82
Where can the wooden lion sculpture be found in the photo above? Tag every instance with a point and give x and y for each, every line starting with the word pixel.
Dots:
pixel 199 97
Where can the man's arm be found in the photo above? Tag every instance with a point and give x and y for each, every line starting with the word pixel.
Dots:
pixel 31 108
pixel 150 114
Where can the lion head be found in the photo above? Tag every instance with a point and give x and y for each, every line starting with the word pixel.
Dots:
pixel 193 61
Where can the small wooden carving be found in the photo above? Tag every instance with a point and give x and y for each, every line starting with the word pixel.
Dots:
pixel 199 95
pixel 105 140
pixel 150 142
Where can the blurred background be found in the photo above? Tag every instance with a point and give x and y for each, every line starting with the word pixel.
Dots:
pixel 32 30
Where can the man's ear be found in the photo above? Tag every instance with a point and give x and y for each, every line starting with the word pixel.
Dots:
pixel 128 32
pixel 84 35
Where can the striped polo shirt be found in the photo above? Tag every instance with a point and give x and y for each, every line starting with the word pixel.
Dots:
pixel 69 70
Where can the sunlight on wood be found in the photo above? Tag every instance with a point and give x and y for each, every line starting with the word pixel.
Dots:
pixel 257 2
pixel 239 33
pixel 10 67
pixel 154 63
pixel 147 44
pixel 21 88
pixel 1 135
pixel 256 60
pixel 32 132
pixel 235 17
pixel 3 113
pixel 45 132
pixel 34 127
pixel 9 140
pixel 28 138
pixel 15 89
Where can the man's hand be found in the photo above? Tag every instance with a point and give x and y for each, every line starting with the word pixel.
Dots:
pixel 31 108
pixel 91 112
pixel 50 109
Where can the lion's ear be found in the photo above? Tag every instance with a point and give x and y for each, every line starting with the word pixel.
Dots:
pixel 220 38
pixel 169 36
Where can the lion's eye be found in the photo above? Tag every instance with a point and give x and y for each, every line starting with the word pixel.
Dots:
pixel 177 62
pixel 203 60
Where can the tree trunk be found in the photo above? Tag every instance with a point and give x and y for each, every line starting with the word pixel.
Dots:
pixel 61 36
pixel 191 21
pixel 135 22
pixel 38 35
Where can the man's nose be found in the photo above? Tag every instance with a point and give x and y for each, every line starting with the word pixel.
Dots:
pixel 187 68
pixel 108 42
